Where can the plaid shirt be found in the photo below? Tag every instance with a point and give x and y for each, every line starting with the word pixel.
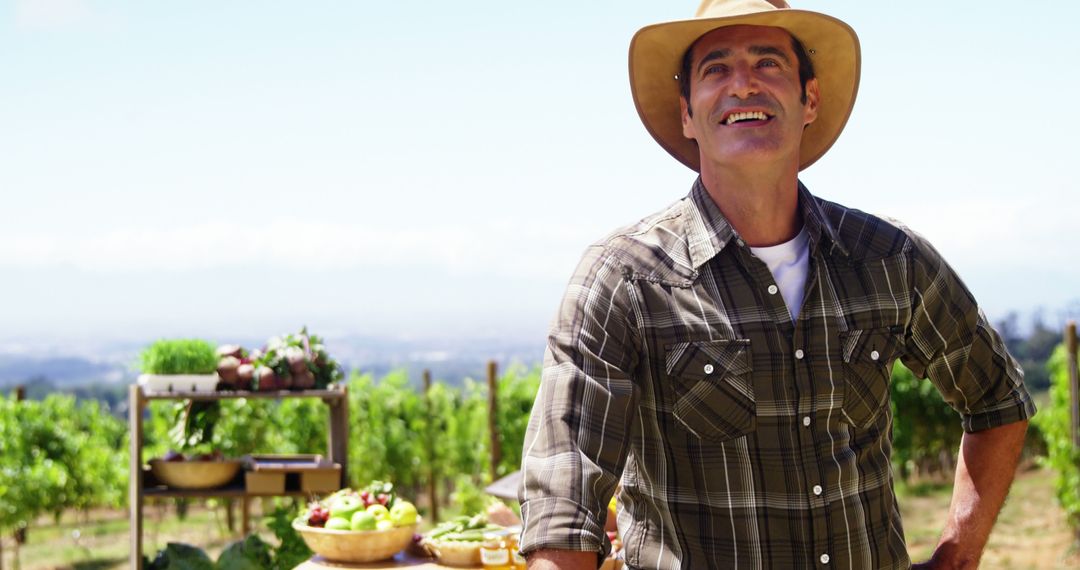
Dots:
pixel 743 439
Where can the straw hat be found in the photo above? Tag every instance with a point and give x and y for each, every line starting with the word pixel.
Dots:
pixel 656 54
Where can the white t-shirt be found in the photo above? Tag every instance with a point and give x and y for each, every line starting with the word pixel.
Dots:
pixel 788 263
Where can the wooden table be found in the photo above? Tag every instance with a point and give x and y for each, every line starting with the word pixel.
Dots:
pixel 402 560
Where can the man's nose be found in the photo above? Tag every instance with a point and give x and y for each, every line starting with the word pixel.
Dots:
pixel 743 81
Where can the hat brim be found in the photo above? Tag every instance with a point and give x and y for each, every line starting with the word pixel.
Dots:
pixel 656 54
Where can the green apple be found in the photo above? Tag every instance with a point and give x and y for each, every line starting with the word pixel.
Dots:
pixel 379 512
pixel 403 513
pixel 338 523
pixel 385 524
pixel 345 506
pixel 363 520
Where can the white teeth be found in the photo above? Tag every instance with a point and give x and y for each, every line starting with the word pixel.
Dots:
pixel 758 115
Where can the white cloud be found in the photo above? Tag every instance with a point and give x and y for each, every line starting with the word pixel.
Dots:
pixel 50 14
pixel 501 248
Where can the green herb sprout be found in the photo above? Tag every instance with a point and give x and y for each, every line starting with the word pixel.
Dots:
pixel 179 356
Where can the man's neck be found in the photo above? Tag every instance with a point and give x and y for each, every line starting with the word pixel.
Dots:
pixel 762 205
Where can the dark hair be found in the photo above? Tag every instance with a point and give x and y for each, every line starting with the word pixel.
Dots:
pixel 806 70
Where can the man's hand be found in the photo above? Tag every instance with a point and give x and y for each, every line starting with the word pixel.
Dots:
pixel 562 560
pixel 983 475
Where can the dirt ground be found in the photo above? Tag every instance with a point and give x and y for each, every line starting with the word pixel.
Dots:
pixel 1030 533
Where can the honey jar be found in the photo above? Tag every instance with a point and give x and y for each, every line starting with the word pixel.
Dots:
pixel 495 550
pixel 517 561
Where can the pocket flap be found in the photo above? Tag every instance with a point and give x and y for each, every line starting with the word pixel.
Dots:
pixel 866 346
pixel 709 358
pixel 713 387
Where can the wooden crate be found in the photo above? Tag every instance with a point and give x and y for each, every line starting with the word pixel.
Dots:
pixel 307 473
pixel 264 482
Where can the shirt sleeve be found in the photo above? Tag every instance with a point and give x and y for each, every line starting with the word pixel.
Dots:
pixel 950 341
pixel 577 439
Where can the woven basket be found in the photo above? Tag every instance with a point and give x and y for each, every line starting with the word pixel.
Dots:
pixel 459 554
pixel 356 545
pixel 195 474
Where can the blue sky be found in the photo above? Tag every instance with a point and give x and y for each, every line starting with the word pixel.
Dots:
pixel 435 169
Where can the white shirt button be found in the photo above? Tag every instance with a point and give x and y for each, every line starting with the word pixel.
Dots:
pixel 772 289
pixel 874 355
pixel 708 368
pixel 806 421
pixel 799 353
pixel 824 559
pixel 817 489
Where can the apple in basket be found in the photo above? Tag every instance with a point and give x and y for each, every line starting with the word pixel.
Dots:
pixel 353 526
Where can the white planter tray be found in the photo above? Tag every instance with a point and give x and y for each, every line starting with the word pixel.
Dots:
pixel 179 382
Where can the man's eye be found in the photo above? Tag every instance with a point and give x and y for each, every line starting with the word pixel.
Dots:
pixel 714 69
pixel 768 63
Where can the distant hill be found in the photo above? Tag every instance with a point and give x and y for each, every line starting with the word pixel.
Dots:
pixel 62 371
pixel 102 368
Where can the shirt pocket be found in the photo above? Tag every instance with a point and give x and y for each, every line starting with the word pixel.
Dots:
pixel 868 357
pixel 713 387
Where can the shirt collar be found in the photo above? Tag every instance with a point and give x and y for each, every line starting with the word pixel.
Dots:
pixel 708 231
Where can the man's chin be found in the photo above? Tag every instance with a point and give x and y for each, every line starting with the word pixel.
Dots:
pixel 748 155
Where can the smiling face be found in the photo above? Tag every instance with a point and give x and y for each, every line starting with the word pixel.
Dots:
pixel 746 105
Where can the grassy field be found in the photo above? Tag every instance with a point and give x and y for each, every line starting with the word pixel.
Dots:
pixel 1030 533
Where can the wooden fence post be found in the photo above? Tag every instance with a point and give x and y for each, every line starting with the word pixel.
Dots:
pixel 1074 383
pixel 19 534
pixel 230 518
pixel 431 486
pixel 493 408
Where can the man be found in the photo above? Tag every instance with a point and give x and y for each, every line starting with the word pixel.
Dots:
pixel 727 360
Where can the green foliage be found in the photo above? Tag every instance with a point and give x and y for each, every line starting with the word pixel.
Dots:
pixel 194 424
pixel 925 428
pixel 516 392
pixel 252 553
pixel 245 426
pixel 178 556
pixel 56 455
pixel 76 455
pixel 397 434
pixel 387 423
pixel 468 497
pixel 179 356
pixel 1062 456
pixel 301 426
pixel 291 550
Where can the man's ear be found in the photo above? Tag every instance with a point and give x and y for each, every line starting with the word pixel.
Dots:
pixel 687 123
pixel 813 99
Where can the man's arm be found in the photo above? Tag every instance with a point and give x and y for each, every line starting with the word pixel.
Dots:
pixel 983 475
pixel 562 560
pixel 578 436
pixel 950 341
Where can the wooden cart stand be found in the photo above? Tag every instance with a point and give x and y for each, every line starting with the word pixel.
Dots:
pixel 337 452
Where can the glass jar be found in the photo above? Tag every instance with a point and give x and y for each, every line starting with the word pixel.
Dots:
pixel 517 561
pixel 494 552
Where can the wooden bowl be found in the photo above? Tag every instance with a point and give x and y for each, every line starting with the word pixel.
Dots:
pixel 356 545
pixel 195 474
